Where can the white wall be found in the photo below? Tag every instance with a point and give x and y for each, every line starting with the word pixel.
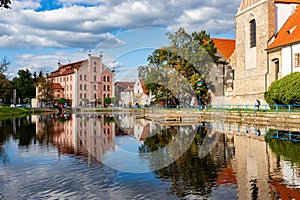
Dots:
pixel 283 12
pixel 288 59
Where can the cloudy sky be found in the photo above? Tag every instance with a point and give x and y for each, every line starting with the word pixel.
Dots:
pixel 36 34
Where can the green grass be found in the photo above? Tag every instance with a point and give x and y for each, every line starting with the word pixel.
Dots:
pixel 7 111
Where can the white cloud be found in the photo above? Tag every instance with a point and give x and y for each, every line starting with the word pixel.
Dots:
pixel 77 26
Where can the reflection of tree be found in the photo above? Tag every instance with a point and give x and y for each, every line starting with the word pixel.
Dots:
pixel 283 147
pixel 189 174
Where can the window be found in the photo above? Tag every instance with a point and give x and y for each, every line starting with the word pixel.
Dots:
pixel 84 86
pixel 95 87
pixel 252 33
pixel 297 60
pixel 108 95
pixel 95 78
pixel 70 87
pixel 85 77
pixel 85 95
pixel 80 77
pixel 104 87
pixel 80 87
pixel 108 88
pixel 70 78
pixel 276 69
pixel 104 96
pixel 108 78
pixel 95 96
pixel 95 69
pixel 80 95
pixel 104 78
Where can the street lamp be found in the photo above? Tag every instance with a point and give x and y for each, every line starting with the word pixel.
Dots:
pixel 199 84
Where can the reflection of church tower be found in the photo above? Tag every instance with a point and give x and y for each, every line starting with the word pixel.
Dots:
pixel 255 24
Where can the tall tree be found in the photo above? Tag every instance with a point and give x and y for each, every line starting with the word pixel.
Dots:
pixel 24 84
pixel 5 84
pixel 45 90
pixel 191 56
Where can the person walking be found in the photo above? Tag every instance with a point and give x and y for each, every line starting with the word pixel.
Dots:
pixel 257 104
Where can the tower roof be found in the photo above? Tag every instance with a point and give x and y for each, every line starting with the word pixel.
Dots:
pixel 225 46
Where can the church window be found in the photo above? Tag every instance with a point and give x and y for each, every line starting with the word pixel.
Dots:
pixel 252 33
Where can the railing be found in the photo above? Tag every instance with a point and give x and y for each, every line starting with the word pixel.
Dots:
pixel 245 108
pixel 253 109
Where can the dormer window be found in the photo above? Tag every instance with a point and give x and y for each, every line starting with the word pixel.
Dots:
pixel 252 33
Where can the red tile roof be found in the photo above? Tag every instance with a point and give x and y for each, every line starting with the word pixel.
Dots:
pixel 225 46
pixel 290 31
pixel 287 1
pixel 143 86
pixel 57 86
pixel 68 68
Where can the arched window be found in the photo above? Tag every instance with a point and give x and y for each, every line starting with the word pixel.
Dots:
pixel 252 33
pixel 276 69
pixel 108 88
pixel 104 78
pixel 104 87
pixel 108 78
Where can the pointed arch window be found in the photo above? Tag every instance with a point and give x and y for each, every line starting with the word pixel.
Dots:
pixel 252 33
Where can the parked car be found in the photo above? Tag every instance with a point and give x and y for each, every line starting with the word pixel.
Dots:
pixel 20 106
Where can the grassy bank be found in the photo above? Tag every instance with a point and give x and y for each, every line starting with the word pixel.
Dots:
pixel 7 111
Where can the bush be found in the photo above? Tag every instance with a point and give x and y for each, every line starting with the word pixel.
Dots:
pixel 285 90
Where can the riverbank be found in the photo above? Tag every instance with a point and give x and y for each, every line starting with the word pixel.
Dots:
pixel 7 112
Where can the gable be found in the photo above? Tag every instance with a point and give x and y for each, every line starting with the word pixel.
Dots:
pixel 289 33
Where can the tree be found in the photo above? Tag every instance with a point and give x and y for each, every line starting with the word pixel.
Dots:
pixel 62 101
pixel 5 84
pixel 285 90
pixel 5 4
pixel 180 66
pixel 24 84
pixel 45 90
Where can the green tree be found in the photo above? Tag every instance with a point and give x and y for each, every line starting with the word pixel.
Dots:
pixel 5 84
pixel 5 4
pixel 176 69
pixel 24 84
pixel 45 90
pixel 285 90
pixel 62 101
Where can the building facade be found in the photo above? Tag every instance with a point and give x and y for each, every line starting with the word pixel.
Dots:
pixel 83 83
pixel 258 23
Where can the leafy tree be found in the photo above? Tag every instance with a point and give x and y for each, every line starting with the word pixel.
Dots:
pixel 62 101
pixel 285 90
pixel 5 4
pixel 107 100
pixel 45 90
pixel 5 84
pixel 178 68
pixel 5 89
pixel 24 84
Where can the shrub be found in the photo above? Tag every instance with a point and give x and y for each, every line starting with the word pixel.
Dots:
pixel 285 90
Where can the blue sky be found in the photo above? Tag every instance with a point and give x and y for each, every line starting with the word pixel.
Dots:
pixel 36 34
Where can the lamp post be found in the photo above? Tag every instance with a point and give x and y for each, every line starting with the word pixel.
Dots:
pixel 199 84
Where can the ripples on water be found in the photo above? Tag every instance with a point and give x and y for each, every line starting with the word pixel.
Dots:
pixel 42 158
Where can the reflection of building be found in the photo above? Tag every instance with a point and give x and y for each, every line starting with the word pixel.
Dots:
pixel 91 134
pixel 83 83
pixel 124 92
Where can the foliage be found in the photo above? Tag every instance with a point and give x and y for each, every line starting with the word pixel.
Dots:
pixel 62 101
pixel 45 89
pixel 174 71
pixel 107 100
pixel 5 89
pixel 5 4
pixel 285 90
pixel 24 84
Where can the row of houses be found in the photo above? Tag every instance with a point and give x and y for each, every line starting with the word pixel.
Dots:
pixel 266 48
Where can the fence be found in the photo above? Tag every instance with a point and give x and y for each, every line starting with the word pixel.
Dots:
pixel 253 109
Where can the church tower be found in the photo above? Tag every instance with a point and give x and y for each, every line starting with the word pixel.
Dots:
pixel 255 25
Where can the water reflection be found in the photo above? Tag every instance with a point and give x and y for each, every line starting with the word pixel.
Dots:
pixel 221 161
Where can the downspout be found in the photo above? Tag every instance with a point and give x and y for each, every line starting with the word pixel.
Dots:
pixel 292 63
pixel 266 74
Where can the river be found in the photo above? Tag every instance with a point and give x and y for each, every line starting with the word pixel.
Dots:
pixel 120 156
